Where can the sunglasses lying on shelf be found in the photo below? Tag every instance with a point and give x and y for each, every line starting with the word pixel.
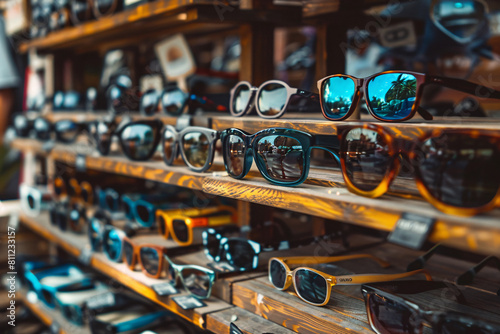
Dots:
pixel 315 287
pixel 281 155
pixel 66 131
pixel 173 101
pixel 195 144
pixel 64 215
pixel 138 139
pixel 34 199
pixel 391 96
pixel 271 99
pixel 74 189
pixel 142 208
pixel 154 261
pixel 184 226
pixel 406 307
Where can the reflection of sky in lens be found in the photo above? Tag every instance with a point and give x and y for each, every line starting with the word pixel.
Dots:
pixel 138 133
pixel 241 99
pixel 338 93
pixel 392 95
pixel 272 99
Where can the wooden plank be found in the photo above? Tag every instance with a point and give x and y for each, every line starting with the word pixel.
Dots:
pixel 248 323
pixel 257 66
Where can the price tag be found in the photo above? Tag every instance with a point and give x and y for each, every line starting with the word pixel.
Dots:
pixel 411 230
pixel 81 163
pixel 188 302
pixel 55 328
pixel 48 146
pixel 101 301
pixel 183 121
pixel 222 267
pixel 165 289
pixel 85 256
pixel 233 329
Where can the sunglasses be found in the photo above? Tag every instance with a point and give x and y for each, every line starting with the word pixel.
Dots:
pixel 455 170
pixel 120 95
pixel 392 309
pixel 281 155
pixel 195 144
pixel 109 200
pixel 270 100
pixel 138 139
pixel 67 101
pixel 143 208
pixel 74 215
pixel 184 225
pixel 96 227
pixel 77 191
pixel 173 101
pixel 66 131
pixel 153 262
pixel 391 96
pixel 34 199
pixel 315 287
pixel 133 319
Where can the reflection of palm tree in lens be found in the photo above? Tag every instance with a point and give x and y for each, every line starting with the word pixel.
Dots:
pixel 401 89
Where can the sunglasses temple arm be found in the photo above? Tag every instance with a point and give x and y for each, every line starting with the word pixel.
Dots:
pixel 421 260
pixel 468 276
pixel 362 279
pixel 299 260
pixel 425 114
pixel 465 87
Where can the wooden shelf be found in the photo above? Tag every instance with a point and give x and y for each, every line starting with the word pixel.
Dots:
pixel 50 317
pixel 158 19
pixel 324 196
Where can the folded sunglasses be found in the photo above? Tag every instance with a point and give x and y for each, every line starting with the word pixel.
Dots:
pixel 154 261
pixel 66 131
pixel 397 308
pixel 72 215
pixel 391 96
pixel 271 99
pixel 143 208
pixel 74 189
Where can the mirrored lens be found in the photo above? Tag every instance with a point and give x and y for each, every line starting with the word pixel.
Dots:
pixel 311 286
pixel 150 260
pixel 235 149
pixel 392 96
pixel 143 214
pixel 282 158
pixel 181 230
pixel 367 158
pixel 66 130
pixel 391 317
pixel 460 19
pixel 168 145
pixel 94 232
pixel 241 99
pixel 149 102
pixel 173 101
pixel 138 141
pixel 196 146
pixel 42 128
pixel 272 99
pixel 128 250
pixel 459 170
pixel 196 281
pixel 240 253
pixel 277 274
pixel 112 244
pixel 337 94
pixel 21 125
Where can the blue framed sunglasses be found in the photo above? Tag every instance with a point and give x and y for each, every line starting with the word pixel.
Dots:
pixel 142 208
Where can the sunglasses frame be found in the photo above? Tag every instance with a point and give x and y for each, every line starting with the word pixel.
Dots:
pixel 255 93
pixel 306 140
pixel 102 221
pixel 178 136
pixel 401 146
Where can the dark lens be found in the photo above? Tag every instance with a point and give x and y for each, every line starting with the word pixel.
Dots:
pixel 47 297
pixel 173 101
pixel 42 128
pixel 196 146
pixel 103 134
pixel 391 317
pixel 143 213
pixel 461 19
pixel 149 102
pixel 337 94
pixel 235 155
pixel 466 326
pixel 367 158
pixel 272 99
pixel 128 250
pixel 240 254
pixel 112 244
pixel 459 170
pixel 282 157
pixel 277 274
pixel 95 234
pixel 162 225
pixel 180 229
pixel 85 195
pixel 311 286
pixel 196 281
pixel 110 202
pixel 392 96
pixel 241 99
pixel 169 145
pixel 31 202
pixel 150 260
pixel 128 210
pixel 66 130
pixel 21 125
pixel 212 244
pixel 138 141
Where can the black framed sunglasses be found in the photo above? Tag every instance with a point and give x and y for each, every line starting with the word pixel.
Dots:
pixel 66 131
pixel 195 144
pixel 138 139
pixel 174 101
pixel 270 100
pixel 397 308
pixel 281 155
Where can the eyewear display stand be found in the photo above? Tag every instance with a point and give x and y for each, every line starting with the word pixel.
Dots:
pixel 247 301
